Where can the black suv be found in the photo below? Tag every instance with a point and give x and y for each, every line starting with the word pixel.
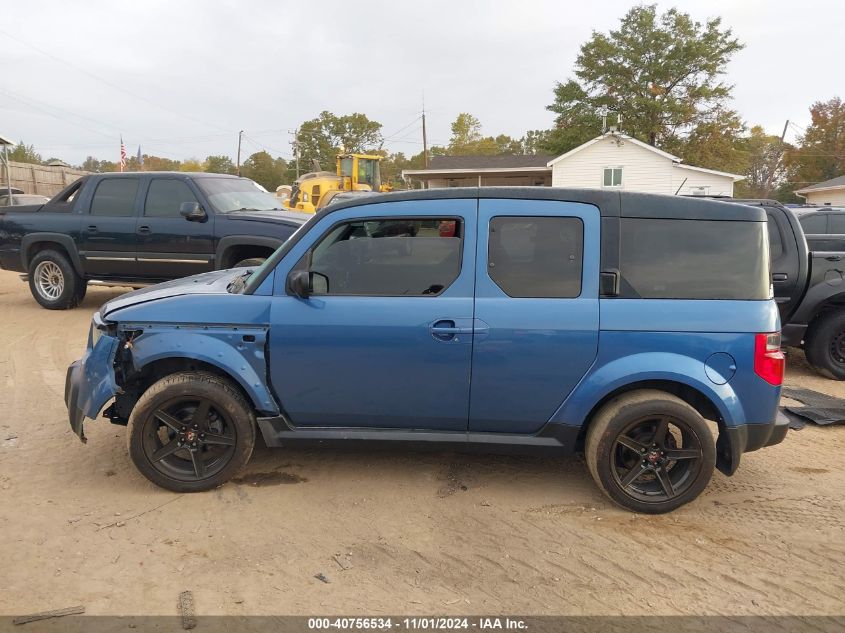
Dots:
pixel 138 228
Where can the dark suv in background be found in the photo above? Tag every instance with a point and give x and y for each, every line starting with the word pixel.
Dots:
pixel 139 228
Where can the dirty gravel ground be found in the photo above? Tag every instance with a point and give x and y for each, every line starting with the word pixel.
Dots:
pixel 417 533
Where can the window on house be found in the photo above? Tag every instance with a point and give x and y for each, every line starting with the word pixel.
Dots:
pixel 612 177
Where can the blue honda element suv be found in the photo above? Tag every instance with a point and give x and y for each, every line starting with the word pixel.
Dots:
pixel 637 329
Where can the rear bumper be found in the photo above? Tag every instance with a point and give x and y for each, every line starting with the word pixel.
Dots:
pixel 744 438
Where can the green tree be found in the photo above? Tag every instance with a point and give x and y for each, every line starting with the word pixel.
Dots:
pixel 467 139
pixel 321 139
pixel 537 142
pixel 766 169
pixel 466 131
pixel 662 73
pixel 717 143
pixel 158 163
pixel 219 164
pixel 23 153
pixel 576 122
pixel 821 152
pixel 192 164
pixel 267 171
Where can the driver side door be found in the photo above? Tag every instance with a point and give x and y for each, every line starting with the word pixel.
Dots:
pixel 385 339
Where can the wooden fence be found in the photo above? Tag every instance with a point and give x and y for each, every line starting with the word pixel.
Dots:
pixel 40 179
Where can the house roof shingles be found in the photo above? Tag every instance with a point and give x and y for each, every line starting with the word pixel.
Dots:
pixel 839 181
pixel 488 162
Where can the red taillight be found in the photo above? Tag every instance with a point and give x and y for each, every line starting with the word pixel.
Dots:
pixel 768 359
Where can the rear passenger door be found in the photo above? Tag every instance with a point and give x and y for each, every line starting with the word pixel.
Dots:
pixel 536 310
pixel 108 238
pixel 169 245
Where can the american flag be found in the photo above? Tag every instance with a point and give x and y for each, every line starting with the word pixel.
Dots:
pixel 122 154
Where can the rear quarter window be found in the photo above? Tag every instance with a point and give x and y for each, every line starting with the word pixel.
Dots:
pixel 814 223
pixel 694 259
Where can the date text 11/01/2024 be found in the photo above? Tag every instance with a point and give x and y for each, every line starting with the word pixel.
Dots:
pixel 418 623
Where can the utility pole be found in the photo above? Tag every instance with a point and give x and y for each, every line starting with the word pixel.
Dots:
pixel 425 141
pixel 783 135
pixel 296 150
pixel 240 138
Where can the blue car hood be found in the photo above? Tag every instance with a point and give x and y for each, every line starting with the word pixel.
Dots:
pixel 215 282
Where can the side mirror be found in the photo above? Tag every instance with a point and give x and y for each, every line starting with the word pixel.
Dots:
pixel 303 283
pixel 299 283
pixel 192 211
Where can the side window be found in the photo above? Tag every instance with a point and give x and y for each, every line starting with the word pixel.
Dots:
pixel 165 196
pixel 315 195
pixel 612 177
pixel 836 223
pixel 115 197
pixel 536 256
pixel 775 239
pixel 388 257
pixel 814 223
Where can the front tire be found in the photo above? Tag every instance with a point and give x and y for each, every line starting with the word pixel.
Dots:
pixel 191 431
pixel 53 282
pixel 824 345
pixel 650 451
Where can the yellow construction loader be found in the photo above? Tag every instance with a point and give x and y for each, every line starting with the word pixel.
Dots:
pixel 355 172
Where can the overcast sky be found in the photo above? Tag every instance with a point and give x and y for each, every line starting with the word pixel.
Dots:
pixel 181 78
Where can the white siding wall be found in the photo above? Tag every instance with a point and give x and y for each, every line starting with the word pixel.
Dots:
pixel 834 197
pixel 642 169
pixel 716 185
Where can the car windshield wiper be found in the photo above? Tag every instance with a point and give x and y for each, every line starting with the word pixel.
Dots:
pixel 254 209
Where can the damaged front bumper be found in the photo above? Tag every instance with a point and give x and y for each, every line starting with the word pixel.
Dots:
pixel 90 382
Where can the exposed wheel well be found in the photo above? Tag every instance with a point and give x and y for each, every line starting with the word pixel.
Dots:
pixel 136 384
pixel 690 395
pixel 235 254
pixel 37 247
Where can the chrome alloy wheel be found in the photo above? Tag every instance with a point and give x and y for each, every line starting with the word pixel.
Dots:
pixel 49 280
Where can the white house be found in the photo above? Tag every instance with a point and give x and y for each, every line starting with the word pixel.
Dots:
pixel 612 160
pixel 619 161
pixel 830 192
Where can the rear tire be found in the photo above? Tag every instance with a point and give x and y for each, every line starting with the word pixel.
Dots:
pixel 53 281
pixel 248 263
pixel 191 431
pixel 824 345
pixel 650 451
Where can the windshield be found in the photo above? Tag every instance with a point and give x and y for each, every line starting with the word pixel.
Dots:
pixel 236 194
pixel 368 172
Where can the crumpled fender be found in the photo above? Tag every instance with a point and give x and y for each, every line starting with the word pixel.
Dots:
pixel 606 378
pixel 236 350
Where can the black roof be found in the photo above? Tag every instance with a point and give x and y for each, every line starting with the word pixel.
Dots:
pixel 502 161
pixel 192 174
pixel 611 203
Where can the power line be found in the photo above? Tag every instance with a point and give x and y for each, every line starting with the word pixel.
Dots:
pixel 107 82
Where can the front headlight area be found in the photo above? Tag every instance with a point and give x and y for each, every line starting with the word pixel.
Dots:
pixel 98 329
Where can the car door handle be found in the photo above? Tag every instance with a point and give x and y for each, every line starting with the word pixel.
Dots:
pixel 446 330
pixel 780 277
pixel 144 230
pixel 92 228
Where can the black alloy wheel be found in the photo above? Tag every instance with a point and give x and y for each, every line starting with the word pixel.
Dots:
pixel 191 431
